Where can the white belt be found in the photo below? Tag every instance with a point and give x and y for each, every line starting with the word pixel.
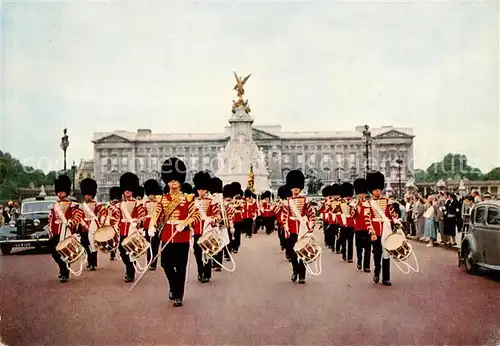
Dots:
pixel 294 218
pixel 178 222
pixel 378 220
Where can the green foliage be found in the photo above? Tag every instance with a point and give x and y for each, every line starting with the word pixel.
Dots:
pixel 420 175
pixel 452 166
pixel 494 174
pixel 13 176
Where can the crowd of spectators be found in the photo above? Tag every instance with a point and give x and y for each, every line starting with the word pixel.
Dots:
pixel 8 213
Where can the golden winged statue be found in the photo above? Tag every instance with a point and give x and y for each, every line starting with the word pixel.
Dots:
pixel 240 83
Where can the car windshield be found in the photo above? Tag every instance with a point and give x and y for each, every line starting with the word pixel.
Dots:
pixel 35 207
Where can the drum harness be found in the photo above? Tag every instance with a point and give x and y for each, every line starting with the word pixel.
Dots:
pixel 92 227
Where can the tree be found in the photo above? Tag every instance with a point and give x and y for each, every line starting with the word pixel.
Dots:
pixel 494 174
pixel 420 175
pixel 452 166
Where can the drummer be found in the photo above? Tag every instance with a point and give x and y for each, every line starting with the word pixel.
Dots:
pixel 115 195
pixel 64 216
pixel 298 207
pixel 153 192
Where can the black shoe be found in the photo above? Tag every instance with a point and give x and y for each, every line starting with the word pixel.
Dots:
pixel 63 279
pixel 93 268
pixel 112 258
pixel 178 302
pixel 88 266
pixel 218 269
pixel 170 296
pixel 344 259
pixel 358 266
pixel 282 248
pixel 386 282
pixel 376 279
pixel 129 278
pixel 337 252
pixel 302 281
pixel 152 268
pixel 200 278
pixel 294 277
pixel 235 251
pixel 350 261
pixel 205 280
pixel 367 270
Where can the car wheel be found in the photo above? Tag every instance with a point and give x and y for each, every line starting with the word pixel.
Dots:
pixel 6 249
pixel 468 256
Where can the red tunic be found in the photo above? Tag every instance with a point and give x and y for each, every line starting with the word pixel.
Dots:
pixel 323 211
pixel 373 221
pixel 360 224
pixel 185 213
pixel 349 215
pixel 70 211
pixel 239 207
pixel 334 213
pixel 98 209
pixel 211 210
pixel 266 210
pixel 119 219
pixel 149 206
pixel 291 221
pixel 250 209
pixel 278 210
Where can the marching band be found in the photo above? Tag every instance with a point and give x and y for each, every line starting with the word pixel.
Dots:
pixel 151 223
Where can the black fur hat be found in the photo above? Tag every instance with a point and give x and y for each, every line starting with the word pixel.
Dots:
pixel 139 192
pixel 201 181
pixel 335 190
pixel 166 189
pixel 375 181
pixel 128 182
pixel 227 191
pixel 266 194
pixel 215 185
pixel 236 186
pixel 346 190
pixel 327 191
pixel 284 192
pixel 173 169
pixel 295 179
pixel 62 184
pixel 248 193
pixel 187 188
pixel 360 186
pixel 151 187
pixel 115 193
pixel 88 187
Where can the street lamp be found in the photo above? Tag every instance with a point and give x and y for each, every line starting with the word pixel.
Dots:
pixel 73 170
pixel 65 145
pixel 367 140
pixel 399 162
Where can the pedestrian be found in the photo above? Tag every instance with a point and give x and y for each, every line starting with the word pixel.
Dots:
pixel 418 217
pixel 451 215
pixel 2 221
pixel 430 226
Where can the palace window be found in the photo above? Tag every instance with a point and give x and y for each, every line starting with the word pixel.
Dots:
pixel 124 163
pixel 286 158
pixel 114 163
pixel 327 174
pixel 300 158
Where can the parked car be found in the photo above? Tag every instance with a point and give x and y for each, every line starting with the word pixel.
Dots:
pixel 31 227
pixel 480 246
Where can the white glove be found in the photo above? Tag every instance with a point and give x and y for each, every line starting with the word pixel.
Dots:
pixel 151 232
pixel 76 237
pixel 179 228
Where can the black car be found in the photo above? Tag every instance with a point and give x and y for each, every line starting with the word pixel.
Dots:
pixel 31 227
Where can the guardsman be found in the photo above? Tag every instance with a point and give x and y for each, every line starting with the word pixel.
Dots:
pixel 217 204
pixel 348 214
pixel 153 192
pixel 267 212
pixel 227 194
pixel 298 214
pixel 176 211
pixel 283 194
pixel 239 209
pixel 208 218
pixel 254 212
pixel 127 218
pixel 335 219
pixel 115 195
pixel 248 213
pixel 378 210
pixel 93 215
pixel 64 216
pixel 324 211
pixel 363 239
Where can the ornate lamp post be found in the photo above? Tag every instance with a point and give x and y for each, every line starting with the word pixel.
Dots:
pixel 73 170
pixel 399 162
pixel 65 145
pixel 367 140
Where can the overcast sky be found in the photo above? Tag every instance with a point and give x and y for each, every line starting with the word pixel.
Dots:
pixel 95 67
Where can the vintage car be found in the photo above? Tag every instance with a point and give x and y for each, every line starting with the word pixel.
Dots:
pixel 30 229
pixel 480 246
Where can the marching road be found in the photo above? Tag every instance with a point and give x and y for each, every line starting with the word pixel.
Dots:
pixel 255 305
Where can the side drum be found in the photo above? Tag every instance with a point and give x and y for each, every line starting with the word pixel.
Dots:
pixel 307 249
pixel 397 246
pixel 136 245
pixel 210 242
pixel 70 250
pixel 106 239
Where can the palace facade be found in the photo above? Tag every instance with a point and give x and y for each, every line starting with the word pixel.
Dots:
pixel 328 155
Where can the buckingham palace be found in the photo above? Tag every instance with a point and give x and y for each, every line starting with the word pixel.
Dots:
pixel 327 155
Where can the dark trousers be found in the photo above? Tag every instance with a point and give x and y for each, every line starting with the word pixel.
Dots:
pixel 281 236
pixel 129 266
pixel 363 247
pixel 235 243
pixel 91 256
pixel 204 269
pixel 63 269
pixel 377 261
pixel 297 266
pixel 346 242
pixel 339 236
pixel 268 224
pixel 247 227
pixel 325 233
pixel 155 247
pixel 259 222
pixel 174 258
pixel 332 233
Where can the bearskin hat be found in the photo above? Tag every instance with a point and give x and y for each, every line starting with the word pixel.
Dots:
pixel 201 181
pixel 236 186
pixel 62 184
pixel 166 189
pixel 248 193
pixel 88 187
pixel 129 182
pixel 360 186
pixel 151 187
pixel 187 188
pixel 335 190
pixel 266 194
pixel 327 191
pixel 173 169
pixel 115 193
pixel 346 190
pixel 227 191
pixel 284 192
pixel 215 185
pixel 375 181
pixel 139 192
pixel 295 179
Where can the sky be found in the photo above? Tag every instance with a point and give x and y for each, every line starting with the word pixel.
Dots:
pixel 105 66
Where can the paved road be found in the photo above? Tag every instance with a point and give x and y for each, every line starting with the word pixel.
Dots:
pixel 256 305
